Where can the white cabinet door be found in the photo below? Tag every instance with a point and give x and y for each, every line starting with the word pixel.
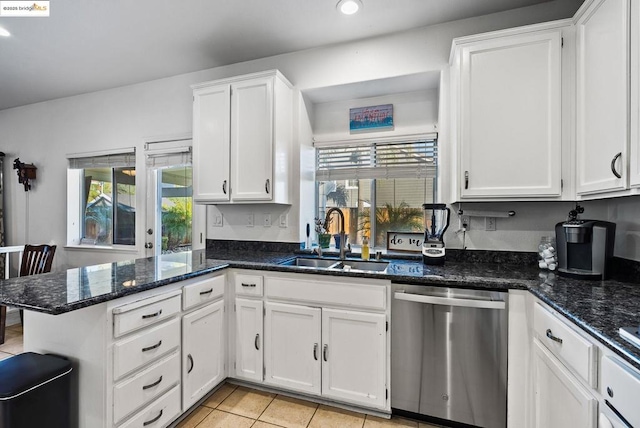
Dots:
pixel 509 116
pixel 560 400
pixel 354 357
pixel 252 139
pixel 203 344
pixel 634 152
pixel 211 137
pixel 249 339
pixel 602 108
pixel 292 345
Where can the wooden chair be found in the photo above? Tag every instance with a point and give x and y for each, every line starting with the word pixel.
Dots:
pixel 36 259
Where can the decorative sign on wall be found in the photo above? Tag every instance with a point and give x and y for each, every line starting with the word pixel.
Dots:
pixel 405 241
pixel 374 118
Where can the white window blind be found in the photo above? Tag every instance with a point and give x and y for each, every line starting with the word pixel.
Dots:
pixel 116 159
pixel 399 158
pixel 173 157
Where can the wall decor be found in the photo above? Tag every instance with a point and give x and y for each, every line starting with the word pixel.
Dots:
pixel 26 172
pixel 374 118
pixel 410 242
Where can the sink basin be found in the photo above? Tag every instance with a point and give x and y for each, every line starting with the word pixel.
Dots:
pixel 363 265
pixel 312 263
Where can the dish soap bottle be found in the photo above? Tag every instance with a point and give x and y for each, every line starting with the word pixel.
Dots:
pixel 364 254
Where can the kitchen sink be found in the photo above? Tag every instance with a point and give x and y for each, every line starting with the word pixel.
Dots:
pixel 335 264
pixel 363 265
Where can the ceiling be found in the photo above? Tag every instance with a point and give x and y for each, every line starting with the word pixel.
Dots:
pixel 90 45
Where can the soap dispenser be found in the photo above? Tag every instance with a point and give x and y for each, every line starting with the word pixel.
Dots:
pixel 364 254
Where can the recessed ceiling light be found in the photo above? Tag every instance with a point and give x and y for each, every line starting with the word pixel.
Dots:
pixel 349 7
pixel 4 32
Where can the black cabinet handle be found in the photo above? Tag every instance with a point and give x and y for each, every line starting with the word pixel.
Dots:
pixel 315 351
pixel 224 187
pixel 144 317
pixel 613 165
pixel 209 291
pixel 552 337
pixel 144 424
pixel 466 180
pixel 325 351
pixel 248 285
pixel 149 348
pixel 257 342
pixel 190 359
pixel 267 186
pixel 151 385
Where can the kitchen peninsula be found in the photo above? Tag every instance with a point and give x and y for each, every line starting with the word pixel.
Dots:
pixel 84 313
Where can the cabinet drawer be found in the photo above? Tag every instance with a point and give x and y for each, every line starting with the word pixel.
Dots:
pixel 141 389
pixel 159 413
pixel 327 292
pixel 621 388
pixel 144 347
pixel 141 314
pixel 567 344
pixel 204 291
pixel 248 285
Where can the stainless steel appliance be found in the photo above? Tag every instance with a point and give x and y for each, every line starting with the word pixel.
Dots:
pixel 449 355
pixel 585 248
pixel 436 222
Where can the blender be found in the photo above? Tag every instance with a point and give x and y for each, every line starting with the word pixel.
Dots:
pixel 436 221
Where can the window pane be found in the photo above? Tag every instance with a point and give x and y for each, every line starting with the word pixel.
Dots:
pixel 97 212
pixel 177 208
pixel 125 216
pixel 353 198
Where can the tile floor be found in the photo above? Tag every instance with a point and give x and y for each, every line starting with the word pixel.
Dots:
pixel 239 407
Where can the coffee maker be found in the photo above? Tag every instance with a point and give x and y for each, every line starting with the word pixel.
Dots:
pixel 585 247
pixel 436 222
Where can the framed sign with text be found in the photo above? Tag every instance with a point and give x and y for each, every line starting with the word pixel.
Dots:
pixel 405 241
pixel 374 118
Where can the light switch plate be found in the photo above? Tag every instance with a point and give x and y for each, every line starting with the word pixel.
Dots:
pixel 489 223
pixel 217 220
pixel 250 220
pixel 266 220
pixel 284 221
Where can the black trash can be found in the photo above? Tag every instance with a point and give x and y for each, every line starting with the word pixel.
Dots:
pixel 35 391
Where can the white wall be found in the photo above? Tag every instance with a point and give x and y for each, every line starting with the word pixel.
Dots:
pixel 43 133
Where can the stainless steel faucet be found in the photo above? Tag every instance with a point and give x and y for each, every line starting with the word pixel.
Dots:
pixel 327 220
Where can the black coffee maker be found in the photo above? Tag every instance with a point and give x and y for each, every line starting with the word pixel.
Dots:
pixel 585 247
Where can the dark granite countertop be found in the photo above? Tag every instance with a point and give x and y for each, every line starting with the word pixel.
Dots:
pixel 598 307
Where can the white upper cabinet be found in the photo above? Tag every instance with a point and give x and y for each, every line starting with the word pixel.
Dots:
pixel 242 139
pixel 507 100
pixel 602 109
pixel 634 161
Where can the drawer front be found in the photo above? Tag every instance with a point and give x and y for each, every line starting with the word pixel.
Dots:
pixel 568 345
pixel 621 387
pixel 130 320
pixel 144 387
pixel 203 291
pixel 327 292
pixel 159 413
pixel 248 285
pixel 145 347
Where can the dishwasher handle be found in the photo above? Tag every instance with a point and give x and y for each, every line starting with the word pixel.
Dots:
pixel 449 301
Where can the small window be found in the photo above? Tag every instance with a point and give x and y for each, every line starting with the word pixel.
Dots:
pixel 101 199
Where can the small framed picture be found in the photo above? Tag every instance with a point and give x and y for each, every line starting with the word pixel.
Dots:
pixel 374 118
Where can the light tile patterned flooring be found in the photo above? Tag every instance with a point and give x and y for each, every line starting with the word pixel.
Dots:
pixel 239 407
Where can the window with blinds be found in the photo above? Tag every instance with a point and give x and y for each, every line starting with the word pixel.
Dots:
pixel 379 185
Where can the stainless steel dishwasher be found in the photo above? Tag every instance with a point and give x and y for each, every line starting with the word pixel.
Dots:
pixel 449 355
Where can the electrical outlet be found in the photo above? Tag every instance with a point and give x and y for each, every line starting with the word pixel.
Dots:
pixel 266 220
pixel 250 220
pixel 217 220
pixel 489 223
pixel 283 220
pixel 465 221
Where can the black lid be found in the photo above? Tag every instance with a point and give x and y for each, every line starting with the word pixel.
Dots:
pixel 28 370
pixel 434 206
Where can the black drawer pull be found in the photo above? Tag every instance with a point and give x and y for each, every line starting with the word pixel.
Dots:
pixel 149 348
pixel 552 337
pixel 144 424
pixel 144 317
pixel 209 291
pixel 248 285
pixel 151 385
pixel 256 343
pixel 190 359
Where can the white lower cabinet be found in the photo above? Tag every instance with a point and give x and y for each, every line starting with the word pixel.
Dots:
pixel 560 400
pixel 203 350
pixel 354 357
pixel 249 357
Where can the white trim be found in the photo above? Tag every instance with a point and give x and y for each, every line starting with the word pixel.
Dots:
pixel 108 248
pixel 406 138
pixel 101 153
